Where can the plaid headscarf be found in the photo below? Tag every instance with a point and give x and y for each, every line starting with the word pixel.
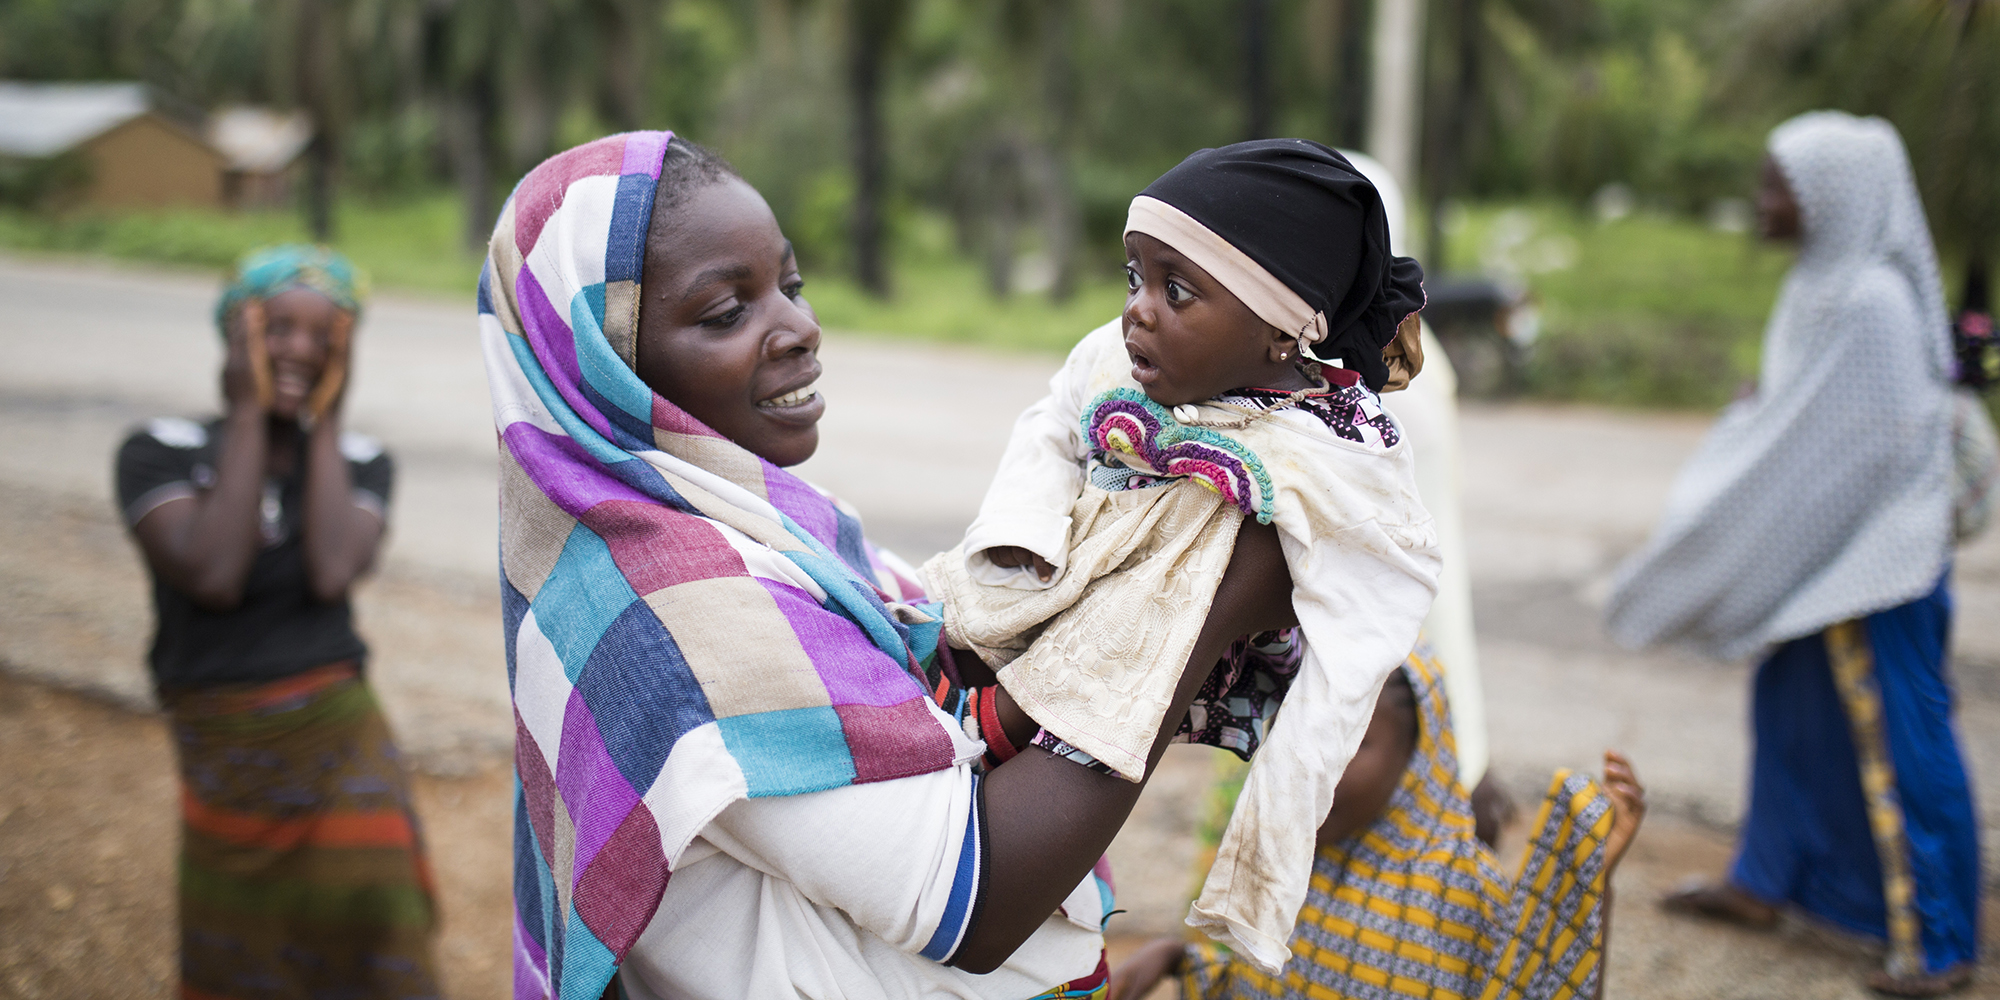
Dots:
pixel 1416 906
pixel 271 271
pixel 686 624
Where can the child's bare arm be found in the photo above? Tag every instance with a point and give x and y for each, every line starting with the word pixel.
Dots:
pixel 1041 473
pixel 1015 556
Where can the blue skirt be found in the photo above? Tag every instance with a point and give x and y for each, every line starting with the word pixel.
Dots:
pixel 1860 808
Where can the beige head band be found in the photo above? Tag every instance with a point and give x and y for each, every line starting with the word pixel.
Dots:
pixel 1272 300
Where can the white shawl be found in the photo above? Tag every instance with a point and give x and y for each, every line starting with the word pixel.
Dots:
pixel 1826 496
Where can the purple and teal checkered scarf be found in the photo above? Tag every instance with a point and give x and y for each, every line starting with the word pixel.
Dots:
pixel 687 624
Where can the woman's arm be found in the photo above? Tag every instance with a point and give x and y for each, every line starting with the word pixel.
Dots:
pixel 1049 820
pixel 203 545
pixel 341 536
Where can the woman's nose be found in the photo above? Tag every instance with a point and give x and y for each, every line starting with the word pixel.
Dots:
pixel 796 330
pixel 293 341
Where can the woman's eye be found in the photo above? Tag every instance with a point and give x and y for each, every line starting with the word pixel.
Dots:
pixel 724 320
pixel 1131 277
pixel 1177 293
pixel 795 289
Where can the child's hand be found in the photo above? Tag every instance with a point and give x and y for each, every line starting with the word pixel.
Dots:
pixel 1137 975
pixel 1628 806
pixel 1014 556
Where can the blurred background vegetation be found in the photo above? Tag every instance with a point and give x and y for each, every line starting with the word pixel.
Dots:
pixel 959 169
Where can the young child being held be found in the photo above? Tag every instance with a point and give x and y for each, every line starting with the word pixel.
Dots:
pixel 1406 901
pixel 1240 382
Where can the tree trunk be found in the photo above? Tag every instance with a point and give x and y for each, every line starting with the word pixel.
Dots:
pixel 1453 139
pixel 534 95
pixel 1003 215
pixel 1350 93
pixel 314 84
pixel 870 23
pixel 469 132
pixel 1395 113
pixel 1060 222
pixel 1256 68
pixel 628 28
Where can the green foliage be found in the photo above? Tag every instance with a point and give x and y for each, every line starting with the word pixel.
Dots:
pixel 1016 131
pixel 1651 310
pixel 41 183
pixel 1581 94
pixel 1932 67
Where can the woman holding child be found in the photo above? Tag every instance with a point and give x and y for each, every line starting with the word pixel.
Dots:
pixel 749 762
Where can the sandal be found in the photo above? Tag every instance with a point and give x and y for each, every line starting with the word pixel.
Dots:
pixel 1726 903
pixel 1949 981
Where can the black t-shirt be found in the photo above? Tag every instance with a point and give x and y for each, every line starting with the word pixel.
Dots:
pixel 279 629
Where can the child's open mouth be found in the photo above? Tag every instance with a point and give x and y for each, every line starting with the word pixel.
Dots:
pixel 1143 369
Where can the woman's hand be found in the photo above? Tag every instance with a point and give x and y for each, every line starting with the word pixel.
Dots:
pixel 331 389
pixel 246 366
pixel 1016 557
pixel 1628 806
pixel 1137 975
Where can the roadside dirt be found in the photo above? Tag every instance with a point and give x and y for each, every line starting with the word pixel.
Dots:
pixel 88 834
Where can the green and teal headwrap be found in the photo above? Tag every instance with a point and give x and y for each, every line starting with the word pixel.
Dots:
pixel 270 271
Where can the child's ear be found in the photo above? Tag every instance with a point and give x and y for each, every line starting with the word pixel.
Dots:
pixel 1284 346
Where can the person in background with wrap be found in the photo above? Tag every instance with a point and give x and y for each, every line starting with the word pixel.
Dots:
pixel 1813 530
pixel 743 753
pixel 1265 315
pixel 1407 901
pixel 301 871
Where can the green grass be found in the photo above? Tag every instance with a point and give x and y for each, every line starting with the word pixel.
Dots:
pixel 939 295
pixel 1647 311
pixel 408 244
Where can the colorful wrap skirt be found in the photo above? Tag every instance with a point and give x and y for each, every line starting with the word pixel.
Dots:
pixel 1861 812
pixel 301 871
pixel 1415 906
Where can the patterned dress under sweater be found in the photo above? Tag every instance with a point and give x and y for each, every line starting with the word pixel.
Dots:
pixel 1138 506
pixel 1416 906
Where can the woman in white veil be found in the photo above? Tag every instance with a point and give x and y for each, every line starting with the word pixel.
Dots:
pixel 1813 530
pixel 1428 411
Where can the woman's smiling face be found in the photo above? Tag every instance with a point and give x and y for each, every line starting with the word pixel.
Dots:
pixel 298 330
pixel 724 332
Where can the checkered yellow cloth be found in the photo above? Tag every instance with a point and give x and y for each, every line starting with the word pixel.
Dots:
pixel 1416 906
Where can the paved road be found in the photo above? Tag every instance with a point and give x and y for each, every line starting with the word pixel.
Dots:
pixel 1555 496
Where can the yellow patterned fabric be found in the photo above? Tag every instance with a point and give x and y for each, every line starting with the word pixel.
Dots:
pixel 1417 907
pixel 1853 665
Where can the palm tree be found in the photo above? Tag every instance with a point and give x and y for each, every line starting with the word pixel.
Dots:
pixel 873 28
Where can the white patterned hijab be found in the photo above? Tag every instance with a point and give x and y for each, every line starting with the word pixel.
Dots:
pixel 1826 496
